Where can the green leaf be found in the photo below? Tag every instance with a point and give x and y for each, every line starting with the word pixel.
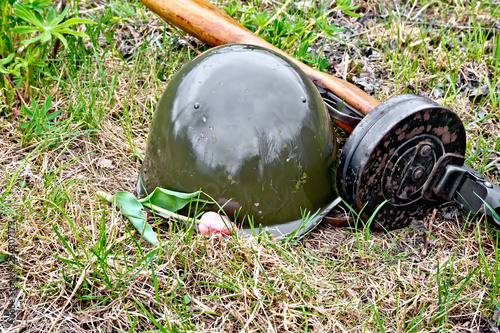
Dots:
pixel 61 38
pixel 74 33
pixel 5 45
pixel 132 209
pixel 47 103
pixel 53 115
pixel 39 63
pixel 50 127
pixel 48 26
pixel 170 200
pixel 24 29
pixel 24 13
pixel 71 32
pixel 3 257
pixel 60 17
pixel 26 111
pixel 261 19
pixel 51 16
pixel 34 107
pixel 348 12
pixel 6 60
pixel 32 40
pixel 73 21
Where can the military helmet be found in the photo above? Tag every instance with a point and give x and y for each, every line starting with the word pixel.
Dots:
pixel 249 128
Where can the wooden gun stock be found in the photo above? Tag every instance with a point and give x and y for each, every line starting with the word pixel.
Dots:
pixel 212 26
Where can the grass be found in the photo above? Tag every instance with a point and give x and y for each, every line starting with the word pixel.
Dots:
pixel 80 266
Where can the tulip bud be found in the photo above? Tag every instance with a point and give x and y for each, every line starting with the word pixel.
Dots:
pixel 211 222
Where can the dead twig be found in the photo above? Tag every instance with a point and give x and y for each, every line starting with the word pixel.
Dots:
pixel 429 230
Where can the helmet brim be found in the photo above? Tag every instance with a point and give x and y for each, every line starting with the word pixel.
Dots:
pixel 295 229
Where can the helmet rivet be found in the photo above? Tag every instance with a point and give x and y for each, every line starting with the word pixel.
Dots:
pixel 303 99
pixel 196 105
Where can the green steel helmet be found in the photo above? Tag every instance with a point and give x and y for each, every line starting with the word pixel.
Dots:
pixel 249 128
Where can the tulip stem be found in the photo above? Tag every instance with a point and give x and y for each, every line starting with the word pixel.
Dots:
pixel 169 213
